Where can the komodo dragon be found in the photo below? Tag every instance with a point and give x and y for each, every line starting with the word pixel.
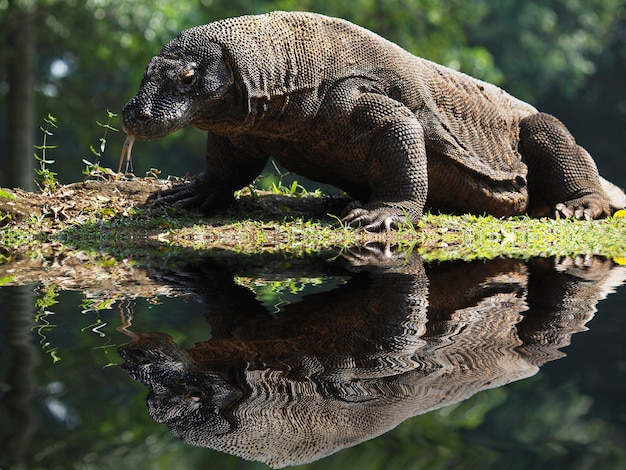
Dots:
pixel 341 105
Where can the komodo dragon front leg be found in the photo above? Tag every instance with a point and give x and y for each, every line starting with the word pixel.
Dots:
pixel 228 168
pixel 384 143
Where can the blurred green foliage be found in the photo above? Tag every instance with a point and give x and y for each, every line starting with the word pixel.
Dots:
pixel 91 56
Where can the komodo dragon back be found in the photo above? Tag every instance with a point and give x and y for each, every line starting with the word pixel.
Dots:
pixel 286 53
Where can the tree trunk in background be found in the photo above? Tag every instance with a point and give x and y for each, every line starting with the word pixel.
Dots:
pixel 17 403
pixel 21 97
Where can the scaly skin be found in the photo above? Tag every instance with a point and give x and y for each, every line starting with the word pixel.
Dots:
pixel 341 105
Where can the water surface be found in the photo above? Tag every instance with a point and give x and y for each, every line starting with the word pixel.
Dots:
pixel 365 359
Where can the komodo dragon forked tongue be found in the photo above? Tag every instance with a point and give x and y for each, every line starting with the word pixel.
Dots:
pixel 126 152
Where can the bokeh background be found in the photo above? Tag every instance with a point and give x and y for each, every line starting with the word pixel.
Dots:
pixel 76 60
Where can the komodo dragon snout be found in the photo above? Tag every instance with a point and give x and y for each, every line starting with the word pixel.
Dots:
pixel 177 88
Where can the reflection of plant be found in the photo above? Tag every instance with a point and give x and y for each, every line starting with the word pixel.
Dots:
pixel 42 324
pixel 278 293
pixel 558 430
pixel 97 306
pixel 96 328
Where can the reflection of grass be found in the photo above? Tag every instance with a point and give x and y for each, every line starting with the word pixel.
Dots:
pixel 437 237
pixel 276 293
pixel 47 298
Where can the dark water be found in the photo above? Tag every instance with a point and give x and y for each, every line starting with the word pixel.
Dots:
pixel 356 361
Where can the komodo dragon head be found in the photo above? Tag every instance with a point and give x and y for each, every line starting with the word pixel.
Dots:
pixel 178 390
pixel 180 84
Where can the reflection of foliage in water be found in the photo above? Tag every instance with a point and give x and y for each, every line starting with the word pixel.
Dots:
pixel 461 437
pixel 97 306
pixel 276 293
pixel 47 299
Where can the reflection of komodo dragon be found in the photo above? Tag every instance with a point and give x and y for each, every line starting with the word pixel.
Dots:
pixel 339 104
pixel 342 366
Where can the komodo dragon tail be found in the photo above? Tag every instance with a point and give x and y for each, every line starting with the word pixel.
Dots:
pixel 616 196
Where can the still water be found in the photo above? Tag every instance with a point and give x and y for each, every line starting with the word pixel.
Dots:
pixel 364 359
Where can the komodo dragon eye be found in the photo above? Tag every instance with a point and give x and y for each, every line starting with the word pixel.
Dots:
pixel 188 77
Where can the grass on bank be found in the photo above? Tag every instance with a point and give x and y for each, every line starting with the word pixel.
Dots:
pixel 141 232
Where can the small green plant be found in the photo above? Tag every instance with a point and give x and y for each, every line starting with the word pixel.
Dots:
pixel 293 189
pixel 407 224
pixel 47 177
pixel 95 169
pixel 279 187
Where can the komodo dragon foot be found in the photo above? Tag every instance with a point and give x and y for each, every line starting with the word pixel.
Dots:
pixel 197 193
pixel 374 254
pixel 589 207
pixel 374 219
